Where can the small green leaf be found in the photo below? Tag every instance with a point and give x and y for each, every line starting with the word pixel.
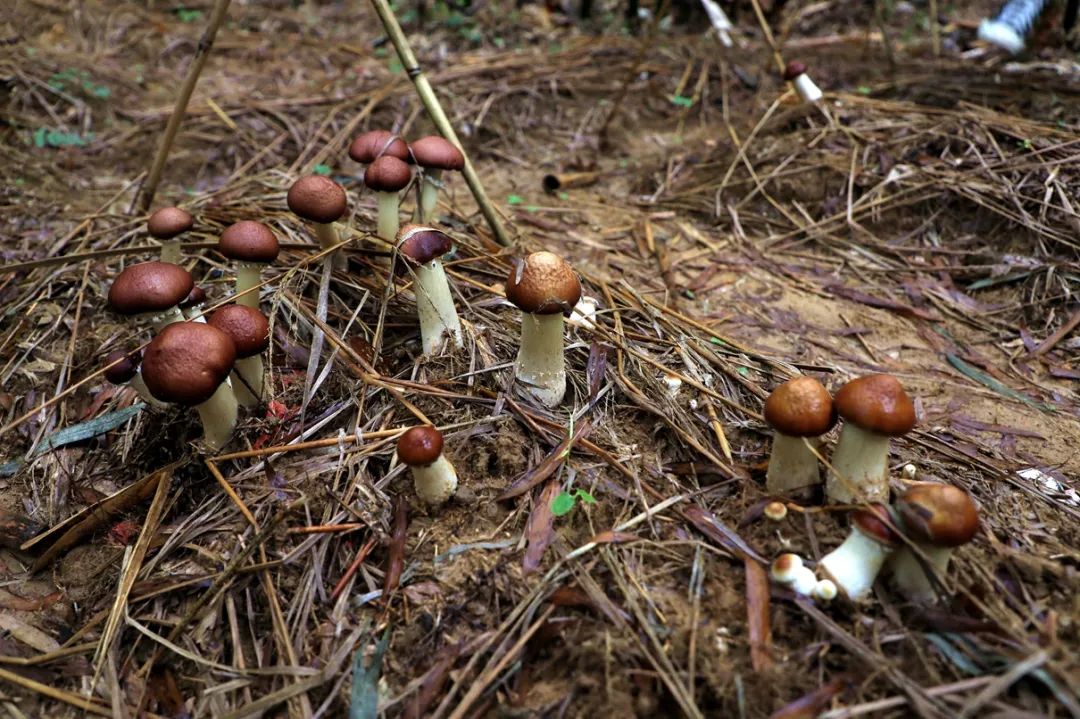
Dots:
pixel 187 15
pixel 564 196
pixel 321 169
pixel 562 504
pixel 396 66
pixel 584 496
pixel 863 90
pixel 515 199
pixel 682 101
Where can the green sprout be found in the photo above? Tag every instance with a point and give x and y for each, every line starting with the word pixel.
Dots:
pixel 565 501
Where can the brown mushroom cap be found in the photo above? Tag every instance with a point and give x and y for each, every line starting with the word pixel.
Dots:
pixel 543 284
pixel 876 523
pixel 168 222
pixel 420 446
pixel 249 241
pixel 421 244
pixel 387 174
pixel 800 408
pixel 149 287
pixel 437 153
pixel 378 143
pixel 196 297
pixel 940 514
pixel 876 403
pixel 318 199
pixel 125 370
pixel 793 69
pixel 186 362
pixel 246 326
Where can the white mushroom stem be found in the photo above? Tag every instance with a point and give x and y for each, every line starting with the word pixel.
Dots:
pixel 583 313
pixel 388 221
pixel 807 90
pixel 195 314
pixel 218 415
pixel 540 359
pixel 429 193
pixel 791 465
pixel 803 581
pixel 861 459
pixel 249 384
pixel 855 564
pixel 329 237
pixel 171 251
pixel 909 576
pixel 248 274
pixel 435 307
pixel 436 482
pixel 163 319
pixel 138 384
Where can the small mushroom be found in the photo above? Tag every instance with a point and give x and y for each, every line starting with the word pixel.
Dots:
pixel 193 304
pixel 545 288
pixel 435 155
pixel 125 372
pixel 387 176
pixel 188 364
pixel 372 145
pixel 874 408
pixel 249 330
pixel 166 225
pixel 795 73
pixel 421 247
pixel 420 448
pixel 937 518
pixel 151 289
pixel 788 570
pixel 854 565
pixel 252 246
pixel 322 202
pixel 796 409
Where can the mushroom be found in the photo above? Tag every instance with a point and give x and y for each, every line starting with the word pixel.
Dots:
pixel 192 305
pixel 544 287
pixel 854 565
pixel 433 476
pixel 251 245
pixel 422 246
pixel 937 518
pixel 166 225
pixel 795 73
pixel 387 176
pixel 788 570
pixel 874 409
pixel 796 409
pixel 320 201
pixel 125 372
pixel 435 155
pixel 374 144
pixel 249 330
pixel 188 363
pixel 153 289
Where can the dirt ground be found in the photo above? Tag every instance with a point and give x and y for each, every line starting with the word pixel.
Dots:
pixel 923 221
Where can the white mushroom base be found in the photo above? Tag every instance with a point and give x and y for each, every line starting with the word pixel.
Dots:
pixel 791 465
pixel 435 483
pixel 218 415
pixel 854 565
pixel 435 308
pixel 862 459
pixel 908 575
pixel 540 359
pixel 249 383
pixel 807 89
pixel 248 274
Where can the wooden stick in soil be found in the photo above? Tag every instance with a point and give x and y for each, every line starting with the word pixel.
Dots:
pixel 202 52
pixel 438 116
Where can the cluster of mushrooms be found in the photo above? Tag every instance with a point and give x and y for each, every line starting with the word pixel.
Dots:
pixel 214 363
pixel 911 540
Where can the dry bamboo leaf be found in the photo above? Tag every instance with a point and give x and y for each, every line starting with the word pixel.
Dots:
pixel 545 469
pixel 540 530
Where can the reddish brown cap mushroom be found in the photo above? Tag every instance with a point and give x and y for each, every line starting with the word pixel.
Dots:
pixel 387 174
pixel 420 446
pixel 543 284
pixel 793 69
pixel 186 362
pixel 127 368
pixel 421 244
pixel 876 523
pixel 168 222
pixel 318 199
pixel 876 403
pixel 940 514
pixel 196 297
pixel 800 408
pixel 246 326
pixel 249 241
pixel 149 287
pixel 378 143
pixel 437 153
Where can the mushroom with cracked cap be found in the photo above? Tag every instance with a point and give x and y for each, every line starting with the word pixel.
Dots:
pixel 166 225
pixel 249 330
pixel 386 177
pixel 874 408
pixel 251 245
pixel 188 364
pixel 936 518
pixel 855 564
pixel 545 288
pixel 322 202
pixel 421 246
pixel 436 155
pixel 421 449
pixel 151 289
pixel 797 409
